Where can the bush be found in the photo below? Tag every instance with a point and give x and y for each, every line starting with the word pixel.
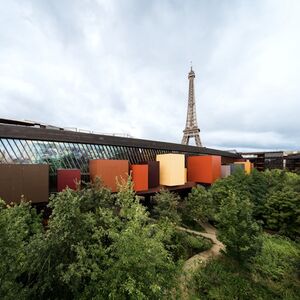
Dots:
pixel 279 263
pixel 223 279
pixel 274 274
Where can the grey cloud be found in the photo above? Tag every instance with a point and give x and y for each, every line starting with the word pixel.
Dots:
pixel 121 66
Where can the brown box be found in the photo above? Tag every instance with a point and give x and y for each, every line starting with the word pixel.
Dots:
pixel 109 171
pixel 29 180
pixel 153 174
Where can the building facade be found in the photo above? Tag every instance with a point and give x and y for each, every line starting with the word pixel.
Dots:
pixel 31 144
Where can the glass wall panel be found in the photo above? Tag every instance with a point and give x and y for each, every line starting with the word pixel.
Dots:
pixel 69 155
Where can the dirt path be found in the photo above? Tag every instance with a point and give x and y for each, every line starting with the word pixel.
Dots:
pixel 193 263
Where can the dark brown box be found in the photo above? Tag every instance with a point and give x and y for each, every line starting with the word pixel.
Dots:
pixel 153 174
pixel 29 180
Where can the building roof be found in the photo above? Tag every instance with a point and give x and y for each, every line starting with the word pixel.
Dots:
pixel 9 130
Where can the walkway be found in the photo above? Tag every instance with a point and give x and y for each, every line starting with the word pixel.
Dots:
pixel 193 263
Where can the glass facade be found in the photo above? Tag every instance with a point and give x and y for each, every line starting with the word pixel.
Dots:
pixel 69 155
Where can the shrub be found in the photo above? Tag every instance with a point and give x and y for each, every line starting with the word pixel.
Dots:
pixel 223 279
pixel 277 266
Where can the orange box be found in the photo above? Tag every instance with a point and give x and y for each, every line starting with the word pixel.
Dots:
pixel 140 177
pixel 204 169
pixel 109 171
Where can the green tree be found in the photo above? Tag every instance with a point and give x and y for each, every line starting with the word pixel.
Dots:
pixel 199 204
pixel 258 187
pixel 18 223
pixel 221 189
pixel 282 211
pixel 237 228
pixel 166 207
pixel 100 245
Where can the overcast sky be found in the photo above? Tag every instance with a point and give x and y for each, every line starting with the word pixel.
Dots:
pixel 121 66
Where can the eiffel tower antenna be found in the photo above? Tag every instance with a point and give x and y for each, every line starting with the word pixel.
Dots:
pixel 191 128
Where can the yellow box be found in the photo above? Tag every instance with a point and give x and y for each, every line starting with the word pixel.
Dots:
pixel 247 164
pixel 171 169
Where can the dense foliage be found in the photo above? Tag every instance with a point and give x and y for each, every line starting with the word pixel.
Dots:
pixel 237 229
pixel 104 245
pixel 96 244
pixel 18 225
pixel 171 209
pixel 278 263
pixel 166 206
pixel 275 196
pixel 183 245
pixel 273 275
pixel 257 265
pixel 198 205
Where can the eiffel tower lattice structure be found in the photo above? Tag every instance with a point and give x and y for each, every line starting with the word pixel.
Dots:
pixel 191 128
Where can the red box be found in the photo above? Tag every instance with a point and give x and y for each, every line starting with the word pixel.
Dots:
pixel 140 177
pixel 204 169
pixel 67 178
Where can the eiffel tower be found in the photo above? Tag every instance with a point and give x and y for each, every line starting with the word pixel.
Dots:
pixel 191 128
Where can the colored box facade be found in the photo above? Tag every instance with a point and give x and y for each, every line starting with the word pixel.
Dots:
pixel 109 171
pixel 225 171
pixel 204 169
pixel 68 178
pixel 29 180
pixel 247 166
pixel 153 174
pixel 140 177
pixel 171 169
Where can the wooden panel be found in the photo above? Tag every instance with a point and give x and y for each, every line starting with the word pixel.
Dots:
pixel 109 171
